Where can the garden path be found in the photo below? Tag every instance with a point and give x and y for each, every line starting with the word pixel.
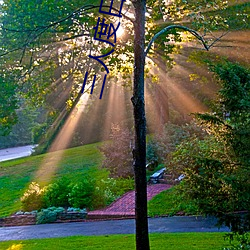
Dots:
pixel 124 207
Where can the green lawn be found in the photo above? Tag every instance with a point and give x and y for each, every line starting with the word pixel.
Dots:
pixel 16 175
pixel 172 241
pixel 170 202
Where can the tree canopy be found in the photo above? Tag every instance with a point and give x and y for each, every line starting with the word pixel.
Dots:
pixel 48 43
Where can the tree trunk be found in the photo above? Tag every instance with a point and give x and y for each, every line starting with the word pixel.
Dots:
pixel 139 151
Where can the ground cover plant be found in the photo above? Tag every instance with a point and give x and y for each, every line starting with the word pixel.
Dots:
pixel 171 241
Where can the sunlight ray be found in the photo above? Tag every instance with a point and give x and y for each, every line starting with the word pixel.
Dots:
pixel 51 161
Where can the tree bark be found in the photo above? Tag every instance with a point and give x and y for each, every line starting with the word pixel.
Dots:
pixel 139 151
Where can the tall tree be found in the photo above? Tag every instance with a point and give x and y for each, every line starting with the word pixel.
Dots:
pixel 139 151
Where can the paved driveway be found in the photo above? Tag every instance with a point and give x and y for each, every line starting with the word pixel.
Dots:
pixel 14 153
pixel 156 225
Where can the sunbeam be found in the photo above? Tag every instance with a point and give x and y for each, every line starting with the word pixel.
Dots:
pixel 51 161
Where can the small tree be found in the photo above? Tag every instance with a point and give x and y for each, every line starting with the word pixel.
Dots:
pixel 118 156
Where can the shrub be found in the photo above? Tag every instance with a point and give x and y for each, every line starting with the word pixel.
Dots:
pixel 109 189
pixel 243 242
pixel 38 131
pixel 33 197
pixel 152 155
pixel 48 215
pixel 103 194
pixel 81 194
pixel 57 193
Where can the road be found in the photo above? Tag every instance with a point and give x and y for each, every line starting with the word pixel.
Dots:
pixel 156 225
pixel 14 153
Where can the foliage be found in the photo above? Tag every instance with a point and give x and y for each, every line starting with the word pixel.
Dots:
pixel 16 175
pixel 57 193
pixel 243 242
pixel 205 175
pixel 73 209
pixel 152 157
pixel 49 40
pixel 108 190
pixel 166 141
pixel 48 215
pixel 103 193
pixel 32 199
pixel 118 154
pixel 22 132
pixel 8 105
pixel 216 168
pixel 81 194
pixel 91 193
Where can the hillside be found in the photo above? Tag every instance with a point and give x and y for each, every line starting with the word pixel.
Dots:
pixel 74 164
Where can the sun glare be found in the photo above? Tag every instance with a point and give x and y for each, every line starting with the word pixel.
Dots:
pixel 120 32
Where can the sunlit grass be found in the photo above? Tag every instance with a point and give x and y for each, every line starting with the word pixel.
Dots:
pixel 169 202
pixel 51 162
pixel 16 175
pixel 172 241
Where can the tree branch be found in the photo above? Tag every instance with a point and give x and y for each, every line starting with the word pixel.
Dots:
pixel 74 13
pixel 44 28
pixel 193 32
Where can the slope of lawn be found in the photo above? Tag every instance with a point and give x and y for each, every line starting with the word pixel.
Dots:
pixel 16 175
pixel 173 241
pixel 169 202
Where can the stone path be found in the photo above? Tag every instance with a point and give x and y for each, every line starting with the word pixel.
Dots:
pixel 124 207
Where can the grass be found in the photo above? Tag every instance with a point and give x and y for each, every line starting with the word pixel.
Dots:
pixel 170 241
pixel 16 175
pixel 169 203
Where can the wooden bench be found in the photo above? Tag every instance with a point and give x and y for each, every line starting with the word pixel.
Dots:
pixel 155 177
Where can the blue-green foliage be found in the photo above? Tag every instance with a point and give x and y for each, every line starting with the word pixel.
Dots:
pixel 48 215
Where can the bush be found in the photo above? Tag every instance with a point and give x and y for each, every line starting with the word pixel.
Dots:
pixel 33 198
pixel 109 189
pixel 103 194
pixel 81 194
pixel 57 193
pixel 243 242
pixel 48 215
pixel 38 132
pixel 152 155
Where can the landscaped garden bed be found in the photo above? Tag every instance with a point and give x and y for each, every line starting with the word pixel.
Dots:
pixel 49 215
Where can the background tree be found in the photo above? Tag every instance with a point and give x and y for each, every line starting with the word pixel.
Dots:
pixel 118 155
pixel 8 105
pixel 216 168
